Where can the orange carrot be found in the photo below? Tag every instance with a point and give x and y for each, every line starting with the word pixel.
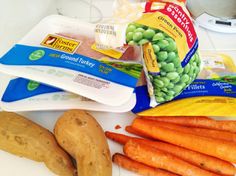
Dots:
pixel 129 129
pixel 195 117
pixel 201 160
pixel 156 158
pixel 221 149
pixel 203 122
pixel 137 167
pixel 120 138
pixel 215 134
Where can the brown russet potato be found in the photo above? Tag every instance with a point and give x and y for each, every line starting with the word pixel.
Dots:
pixel 83 138
pixel 25 138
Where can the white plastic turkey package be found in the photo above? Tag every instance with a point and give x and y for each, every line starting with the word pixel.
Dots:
pixel 19 94
pixel 60 52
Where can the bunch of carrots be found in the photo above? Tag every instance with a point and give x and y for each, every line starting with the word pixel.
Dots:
pixel 171 146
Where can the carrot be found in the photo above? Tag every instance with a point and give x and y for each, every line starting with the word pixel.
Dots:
pixel 120 138
pixel 156 158
pixel 215 134
pixel 129 129
pixel 203 122
pixel 221 149
pixel 201 160
pixel 196 117
pixel 137 167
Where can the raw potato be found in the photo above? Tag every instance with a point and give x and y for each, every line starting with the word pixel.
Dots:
pixel 25 138
pixel 83 138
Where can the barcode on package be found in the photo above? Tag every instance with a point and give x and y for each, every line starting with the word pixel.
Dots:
pixel 91 82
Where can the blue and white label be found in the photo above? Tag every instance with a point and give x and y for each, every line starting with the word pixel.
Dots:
pixel 22 55
pixel 20 88
pixel 202 87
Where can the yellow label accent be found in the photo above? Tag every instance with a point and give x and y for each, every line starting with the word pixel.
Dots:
pixel 61 43
pixel 160 21
pixel 109 52
pixel 201 106
pixel 150 58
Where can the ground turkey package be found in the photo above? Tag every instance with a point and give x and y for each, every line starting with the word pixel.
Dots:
pixel 165 31
pixel 32 96
pixel 60 52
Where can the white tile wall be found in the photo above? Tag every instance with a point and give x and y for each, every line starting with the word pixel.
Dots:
pixel 105 6
pixel 18 17
pixel 74 8
pixel 87 10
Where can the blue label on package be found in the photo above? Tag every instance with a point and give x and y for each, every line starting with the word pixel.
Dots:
pixel 22 55
pixel 190 54
pixel 203 87
pixel 200 87
pixel 142 99
pixel 20 88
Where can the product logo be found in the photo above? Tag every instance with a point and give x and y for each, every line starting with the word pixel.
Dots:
pixel 150 58
pixel 32 85
pixel 36 55
pixel 61 43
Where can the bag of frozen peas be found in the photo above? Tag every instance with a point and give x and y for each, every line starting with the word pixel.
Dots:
pixel 169 42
